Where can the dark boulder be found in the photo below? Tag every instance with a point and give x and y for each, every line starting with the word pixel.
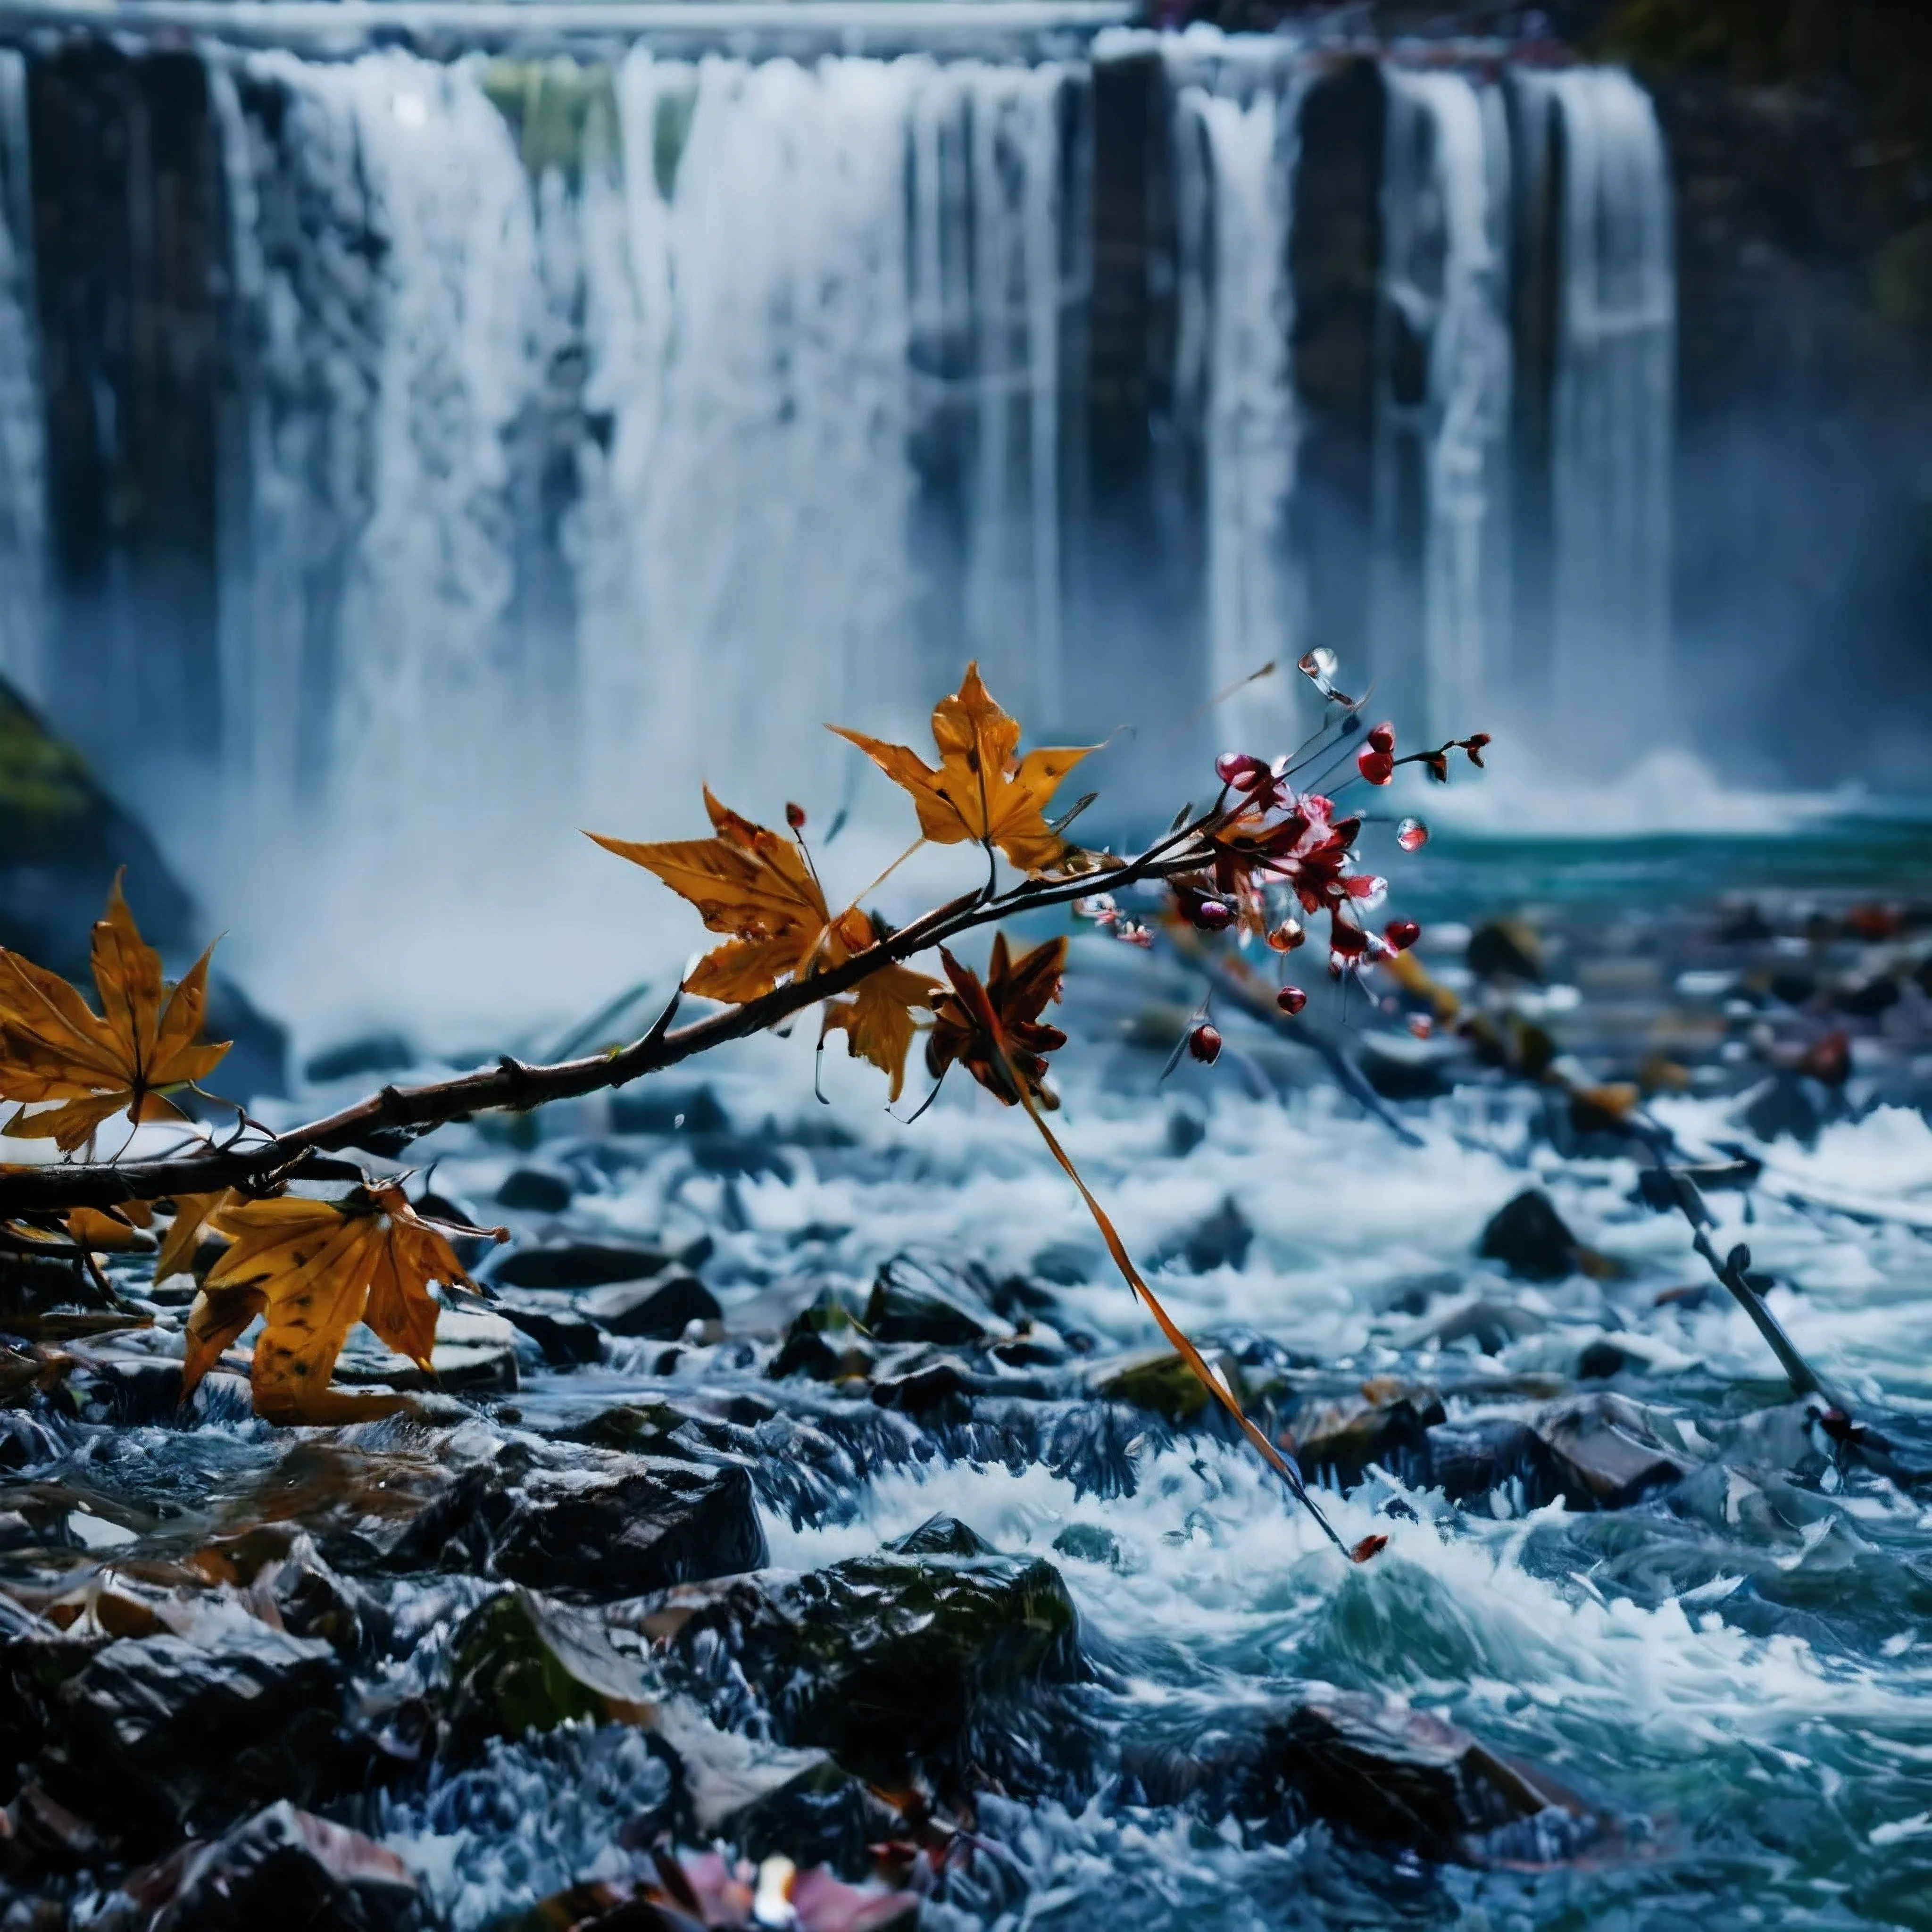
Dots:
pixel 1468 1460
pixel 577 1264
pixel 357 1059
pixel 1158 1380
pixel 1339 1441
pixel 892 1663
pixel 566 1336
pixel 606 1524
pixel 941 1536
pixel 659 1311
pixel 154 1737
pixel 917 1298
pixel 536 1190
pixel 1530 1239
pixel 522 1662
pixel 282 1867
pixel 1505 948
pixel 1399 1777
pixel 827 1341
pixel 1219 1239
pixel 1610 1456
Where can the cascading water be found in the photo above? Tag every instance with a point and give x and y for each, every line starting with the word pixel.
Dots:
pixel 1610 466
pixel 1236 160
pixel 1442 495
pixel 22 464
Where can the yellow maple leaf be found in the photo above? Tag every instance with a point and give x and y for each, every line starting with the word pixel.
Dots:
pixel 313 1269
pixel 754 884
pixel 982 791
pixel 145 1040
pixel 184 1236
pixel 877 1018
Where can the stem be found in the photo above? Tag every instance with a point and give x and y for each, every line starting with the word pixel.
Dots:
pixel 267 1162
pixel 1183 1347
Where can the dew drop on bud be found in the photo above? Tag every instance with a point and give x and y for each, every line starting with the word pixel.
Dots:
pixel 1205 1043
pixel 1227 764
pixel 1319 664
pixel 1411 835
pixel 1382 737
pixel 1287 936
pixel 1401 934
pixel 795 816
pixel 1377 767
pixel 1421 1025
pixel 1213 916
pixel 1291 1000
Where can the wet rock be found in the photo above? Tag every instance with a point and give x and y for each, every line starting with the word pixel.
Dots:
pixel 566 1336
pixel 282 1867
pixel 608 1524
pixel 1530 1239
pixel 382 1052
pixel 889 1662
pixel 1338 1442
pixel 1601 1361
pixel 1786 1104
pixel 1469 1460
pixel 935 1390
pixel 155 1737
pixel 1158 1380
pixel 557 1516
pixel 131 1391
pixel 1069 1264
pixel 919 1299
pixel 1401 1777
pixel 1490 1323
pixel 826 1341
pixel 1088 1543
pixel 659 1311
pixel 762 1798
pixel 474 1354
pixel 1505 950
pixel 1610 1457
pixel 941 1535
pixel 1400 1069
pixel 522 1662
pixel 577 1264
pixel 280 1568
pixel 1221 1239
pixel 536 1190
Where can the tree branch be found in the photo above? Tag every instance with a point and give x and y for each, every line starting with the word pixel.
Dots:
pixel 260 1165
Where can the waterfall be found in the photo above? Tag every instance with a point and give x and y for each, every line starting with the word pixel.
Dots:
pixel 1237 158
pixel 1610 436
pixel 1442 498
pixel 22 460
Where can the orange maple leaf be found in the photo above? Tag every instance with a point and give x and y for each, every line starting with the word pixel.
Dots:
pixel 755 884
pixel 982 791
pixel 145 1040
pixel 877 1019
pixel 991 1028
pixel 312 1270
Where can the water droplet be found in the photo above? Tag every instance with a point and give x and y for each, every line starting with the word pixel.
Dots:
pixel 1291 1000
pixel 1401 934
pixel 1213 916
pixel 1320 664
pixel 1411 835
pixel 1287 936
pixel 1421 1025
pixel 1205 1043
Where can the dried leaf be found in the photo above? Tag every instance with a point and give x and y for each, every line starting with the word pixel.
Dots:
pixel 313 1269
pixel 877 1019
pixel 982 791
pixel 748 881
pixel 145 1040
pixel 991 1028
pixel 184 1238
pixel 106 1233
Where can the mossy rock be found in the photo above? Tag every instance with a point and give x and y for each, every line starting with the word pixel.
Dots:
pixel 1160 1382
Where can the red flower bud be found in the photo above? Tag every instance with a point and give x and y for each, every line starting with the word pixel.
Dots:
pixel 1401 934
pixel 1291 1000
pixel 1205 1043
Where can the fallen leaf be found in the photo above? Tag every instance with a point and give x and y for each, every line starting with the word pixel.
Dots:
pixel 877 1020
pixel 751 882
pixel 184 1236
pixel 105 1233
pixel 982 791
pixel 145 1041
pixel 313 1269
pixel 988 1028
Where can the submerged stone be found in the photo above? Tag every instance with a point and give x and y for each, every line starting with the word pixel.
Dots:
pixel 1610 1456
pixel 1388 1773
pixel 536 1190
pixel 1219 1239
pixel 1339 1441
pixel 941 1535
pixel 283 1867
pixel 889 1662
pixel 1530 1239
pixel 659 1311
pixel 522 1662
pixel 154 1737
pixel 1158 1380
pixel 918 1299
